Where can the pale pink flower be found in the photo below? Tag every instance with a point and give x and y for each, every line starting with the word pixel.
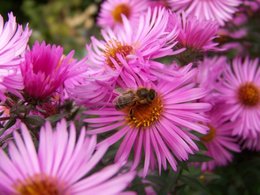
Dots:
pixel 13 42
pixel 219 10
pixel 61 165
pixel 219 141
pixel 160 130
pixel 240 90
pixel 111 11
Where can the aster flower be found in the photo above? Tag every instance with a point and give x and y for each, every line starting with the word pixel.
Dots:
pixel 197 34
pixel 12 47
pixel 241 92
pixel 162 127
pixel 45 69
pixel 251 142
pixel 219 141
pixel 210 71
pixel 59 166
pixel 158 3
pixel 90 89
pixel 13 41
pixel 133 46
pixel 111 12
pixel 132 52
pixel 219 10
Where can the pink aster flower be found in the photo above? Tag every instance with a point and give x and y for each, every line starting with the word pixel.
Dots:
pixel 111 12
pixel 158 3
pixel 219 141
pixel 241 92
pixel 131 53
pixel 45 69
pixel 60 165
pixel 210 71
pixel 13 41
pixel 134 45
pixel 161 127
pixel 219 10
pixel 196 34
pixel 251 142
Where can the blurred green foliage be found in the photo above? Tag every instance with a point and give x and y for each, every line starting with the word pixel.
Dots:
pixel 62 22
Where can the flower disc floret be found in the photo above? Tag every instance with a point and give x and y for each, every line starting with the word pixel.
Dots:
pixel 249 94
pixel 210 135
pixel 114 48
pixel 39 185
pixel 119 10
pixel 144 115
pixel 111 12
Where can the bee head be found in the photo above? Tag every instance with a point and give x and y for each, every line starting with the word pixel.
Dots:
pixel 148 94
pixel 151 95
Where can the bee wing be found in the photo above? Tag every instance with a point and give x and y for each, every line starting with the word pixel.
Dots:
pixel 119 91
pixel 124 100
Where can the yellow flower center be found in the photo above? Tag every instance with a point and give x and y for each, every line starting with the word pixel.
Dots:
pixel 114 48
pixel 121 9
pixel 144 115
pixel 210 135
pixel 39 185
pixel 248 94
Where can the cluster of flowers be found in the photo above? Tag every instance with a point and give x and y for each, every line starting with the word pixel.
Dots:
pixel 148 87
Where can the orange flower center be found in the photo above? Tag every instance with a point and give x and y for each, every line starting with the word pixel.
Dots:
pixel 114 48
pixel 248 95
pixel 121 9
pixel 39 185
pixel 144 115
pixel 210 135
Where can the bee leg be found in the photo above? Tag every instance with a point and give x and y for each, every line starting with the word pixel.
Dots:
pixel 131 113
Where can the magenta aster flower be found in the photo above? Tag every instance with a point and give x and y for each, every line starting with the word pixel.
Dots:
pixel 241 92
pixel 219 10
pixel 160 126
pixel 219 141
pixel 45 69
pixel 196 34
pixel 111 12
pixel 59 166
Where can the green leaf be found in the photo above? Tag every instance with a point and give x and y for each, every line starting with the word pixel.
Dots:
pixel 9 124
pixel 195 183
pixel 34 120
pixel 199 158
pixel 55 118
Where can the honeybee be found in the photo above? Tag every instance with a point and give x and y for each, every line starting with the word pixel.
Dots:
pixel 132 98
